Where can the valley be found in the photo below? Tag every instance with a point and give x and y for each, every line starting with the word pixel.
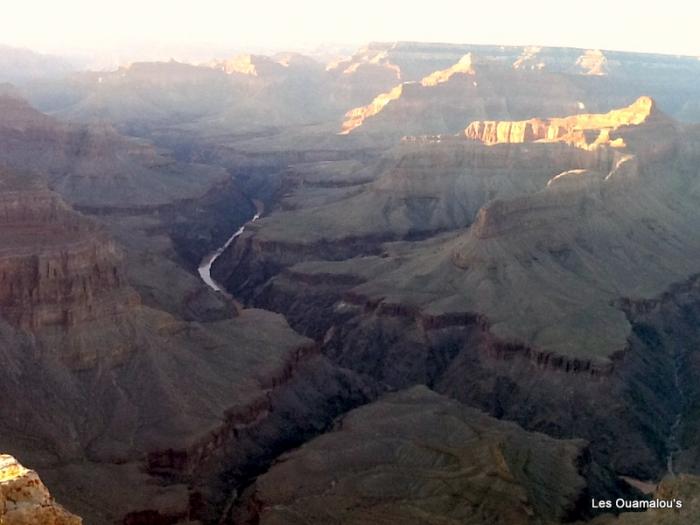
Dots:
pixel 424 283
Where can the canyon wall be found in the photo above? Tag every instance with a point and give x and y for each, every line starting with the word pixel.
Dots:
pixel 24 500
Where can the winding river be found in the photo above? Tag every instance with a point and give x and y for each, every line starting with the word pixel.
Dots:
pixel 206 264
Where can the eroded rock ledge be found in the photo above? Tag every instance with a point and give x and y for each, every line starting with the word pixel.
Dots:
pixel 490 346
pixel 57 268
pixel 24 500
pixel 585 130
pixel 416 457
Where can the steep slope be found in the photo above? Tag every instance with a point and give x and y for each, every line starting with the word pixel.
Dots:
pixel 60 271
pixel 94 166
pixel 417 457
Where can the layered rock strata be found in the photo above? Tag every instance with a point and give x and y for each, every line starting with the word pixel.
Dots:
pixel 57 268
pixel 417 457
pixel 24 500
pixel 583 131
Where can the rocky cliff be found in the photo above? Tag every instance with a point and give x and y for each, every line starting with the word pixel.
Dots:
pixel 583 130
pixel 132 395
pixel 24 500
pixel 513 82
pixel 57 268
pixel 417 457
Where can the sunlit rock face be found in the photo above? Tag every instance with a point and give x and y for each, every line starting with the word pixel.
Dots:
pixel 513 83
pixel 24 500
pixel 253 65
pixel 580 130
pixel 465 66
pixel 572 61
pixel 266 67
pixel 356 117
pixel 593 62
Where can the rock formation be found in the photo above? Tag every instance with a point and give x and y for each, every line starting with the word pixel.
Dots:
pixel 131 393
pixel 518 83
pixel 465 66
pixel 253 65
pixel 93 166
pixel 417 457
pixel 593 62
pixel 57 268
pixel 24 500
pixel 355 117
pixel 580 130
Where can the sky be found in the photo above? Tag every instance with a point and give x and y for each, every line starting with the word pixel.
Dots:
pixel 142 26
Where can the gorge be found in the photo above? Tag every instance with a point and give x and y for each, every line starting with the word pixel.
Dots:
pixel 420 284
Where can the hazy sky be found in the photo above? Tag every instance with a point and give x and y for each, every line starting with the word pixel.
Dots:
pixel 669 26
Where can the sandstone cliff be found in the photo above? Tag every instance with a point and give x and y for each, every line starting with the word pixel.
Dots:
pixel 24 500
pixel 57 268
pixel 586 130
pixel 516 83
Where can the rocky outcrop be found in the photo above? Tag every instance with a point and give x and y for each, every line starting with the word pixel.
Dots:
pixel 580 130
pixel 24 500
pixel 460 355
pixel 253 65
pixel 593 62
pixel 356 117
pixel 465 66
pixel 413 457
pixel 57 268
pixel 522 214
pixel 419 189
pixel 572 61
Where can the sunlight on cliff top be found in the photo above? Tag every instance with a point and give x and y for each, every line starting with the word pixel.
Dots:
pixel 10 469
pixel 585 130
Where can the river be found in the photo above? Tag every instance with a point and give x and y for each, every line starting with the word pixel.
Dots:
pixel 206 264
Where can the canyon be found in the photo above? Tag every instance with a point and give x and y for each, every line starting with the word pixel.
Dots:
pixel 424 283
